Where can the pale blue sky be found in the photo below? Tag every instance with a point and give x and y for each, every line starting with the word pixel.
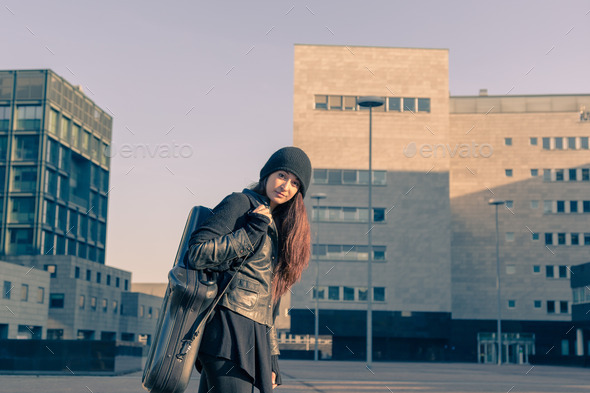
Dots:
pixel 216 80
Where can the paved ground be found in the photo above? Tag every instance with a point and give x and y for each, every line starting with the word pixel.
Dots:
pixel 335 377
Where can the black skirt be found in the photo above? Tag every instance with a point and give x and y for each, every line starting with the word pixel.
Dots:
pixel 245 342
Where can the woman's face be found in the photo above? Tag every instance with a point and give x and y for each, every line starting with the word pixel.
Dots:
pixel 281 186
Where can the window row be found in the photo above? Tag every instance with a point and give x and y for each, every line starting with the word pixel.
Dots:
pixel 581 295
pixel 347 294
pixel 98 278
pixel 348 176
pixel 556 206
pixel 550 305
pixel 391 104
pixel 562 143
pixel 557 175
pixel 73 222
pixel 346 214
pixel 77 137
pixel 28 117
pixel 24 293
pixel 54 244
pixel 348 252
pixel 77 166
pixel 24 148
pixel 570 239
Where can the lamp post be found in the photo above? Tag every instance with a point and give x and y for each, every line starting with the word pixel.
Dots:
pixel 370 102
pixel 318 198
pixel 497 203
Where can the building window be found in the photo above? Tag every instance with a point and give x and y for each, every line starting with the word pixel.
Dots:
pixel 98 277
pixel 563 307
pixel 319 293
pixel 546 143
pixel 379 294
pixel 571 143
pixel 82 302
pixel 565 347
pixel 586 206
pixel 548 238
pixel 362 294
pixel 40 295
pixel 534 172
pixel 573 174
pixel 537 304
pixel 394 104
pixel 126 285
pixel 533 141
pixel 587 239
pixel 562 271
pixel 508 141
pixel 149 312
pixel 534 204
pixel 573 206
pixel 511 303
pixel 509 236
pixel 508 172
pixel 585 174
pixel 104 305
pixel 409 104
pixel 334 293
pixel 550 307
pixel 536 269
pixel 558 143
pixel 547 206
pixel 108 279
pixel 56 300
pixel 141 311
pixel 24 293
pixel 117 282
pixel 77 272
pixel 561 206
pixel 348 294
pixel 559 175
pixel 575 239
pixel 52 269
pixel 115 306
pixel 584 142
pixel 88 275
pixel 7 289
pixel 93 303
pixel 423 104
pixel 321 102
pixel 335 102
pixel 535 236
pixel 29 117
pixel 561 238
pixel 510 269
pixel 549 271
pixel 546 174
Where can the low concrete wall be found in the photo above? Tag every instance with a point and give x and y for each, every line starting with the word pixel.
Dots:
pixel 69 357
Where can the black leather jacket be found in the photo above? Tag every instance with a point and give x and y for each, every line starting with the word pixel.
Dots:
pixel 250 291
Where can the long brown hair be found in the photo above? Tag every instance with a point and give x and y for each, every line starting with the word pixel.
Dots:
pixel 294 241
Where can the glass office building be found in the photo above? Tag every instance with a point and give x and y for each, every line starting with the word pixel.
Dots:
pixel 54 173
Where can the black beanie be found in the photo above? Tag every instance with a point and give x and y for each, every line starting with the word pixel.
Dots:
pixel 290 159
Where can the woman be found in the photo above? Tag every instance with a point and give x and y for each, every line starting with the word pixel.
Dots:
pixel 267 226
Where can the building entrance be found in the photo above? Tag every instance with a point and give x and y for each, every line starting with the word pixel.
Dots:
pixel 516 347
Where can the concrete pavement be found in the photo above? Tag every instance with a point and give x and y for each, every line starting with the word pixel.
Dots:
pixel 336 377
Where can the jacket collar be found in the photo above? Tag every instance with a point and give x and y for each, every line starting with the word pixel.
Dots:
pixel 262 199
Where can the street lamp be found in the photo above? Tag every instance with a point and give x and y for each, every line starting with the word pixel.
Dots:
pixel 370 102
pixel 318 198
pixel 497 203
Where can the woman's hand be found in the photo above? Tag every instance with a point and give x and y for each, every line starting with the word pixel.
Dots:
pixel 274 378
pixel 261 209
